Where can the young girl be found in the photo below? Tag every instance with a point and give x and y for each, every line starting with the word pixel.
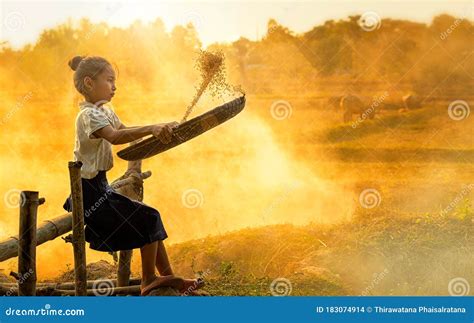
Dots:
pixel 113 221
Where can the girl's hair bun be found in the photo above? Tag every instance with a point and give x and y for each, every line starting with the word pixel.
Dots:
pixel 74 62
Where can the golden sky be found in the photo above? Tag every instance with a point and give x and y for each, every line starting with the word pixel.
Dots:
pixel 216 21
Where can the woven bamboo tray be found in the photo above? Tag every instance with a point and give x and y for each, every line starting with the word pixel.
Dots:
pixel 185 131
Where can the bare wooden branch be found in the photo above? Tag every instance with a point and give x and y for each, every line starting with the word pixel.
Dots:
pixel 15 275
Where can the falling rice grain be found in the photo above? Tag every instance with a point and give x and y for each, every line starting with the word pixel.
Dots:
pixel 212 69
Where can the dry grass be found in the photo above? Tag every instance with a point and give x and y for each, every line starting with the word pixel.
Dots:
pixel 95 270
pixel 377 253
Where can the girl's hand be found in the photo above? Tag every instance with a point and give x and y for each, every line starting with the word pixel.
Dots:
pixel 163 132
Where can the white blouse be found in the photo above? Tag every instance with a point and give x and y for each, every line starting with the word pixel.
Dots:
pixel 94 153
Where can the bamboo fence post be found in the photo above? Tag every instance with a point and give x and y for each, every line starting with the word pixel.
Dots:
pixel 125 256
pixel 123 271
pixel 29 203
pixel 79 244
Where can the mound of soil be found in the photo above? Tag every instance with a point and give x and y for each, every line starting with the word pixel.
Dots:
pixel 95 270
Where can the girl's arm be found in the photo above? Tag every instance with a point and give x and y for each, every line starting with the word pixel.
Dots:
pixel 162 131
pixel 122 126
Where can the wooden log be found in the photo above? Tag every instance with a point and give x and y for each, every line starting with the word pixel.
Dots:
pixel 91 283
pixel 79 243
pixel 71 285
pixel 129 290
pixel 40 291
pixel 52 290
pixel 48 230
pixel 27 244
pixel 55 227
pixel 116 291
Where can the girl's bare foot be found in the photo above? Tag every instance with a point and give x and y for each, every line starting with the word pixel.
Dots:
pixel 161 281
pixel 190 285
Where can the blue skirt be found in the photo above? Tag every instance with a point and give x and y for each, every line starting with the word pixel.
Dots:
pixel 113 221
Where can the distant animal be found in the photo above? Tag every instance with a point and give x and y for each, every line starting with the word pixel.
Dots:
pixel 335 101
pixel 402 110
pixel 411 101
pixel 351 104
